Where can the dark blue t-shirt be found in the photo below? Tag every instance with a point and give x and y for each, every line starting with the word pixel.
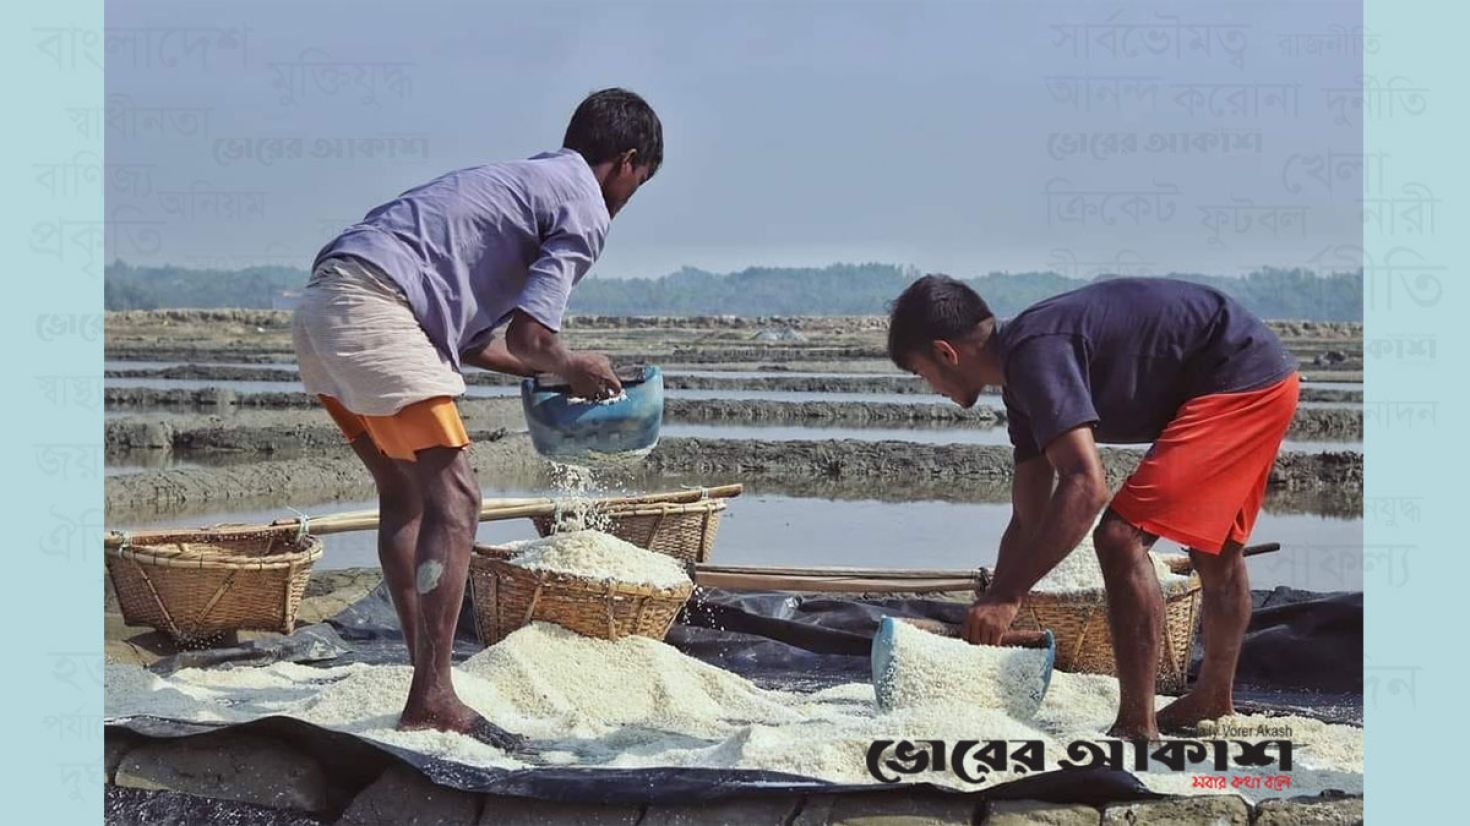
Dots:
pixel 1123 355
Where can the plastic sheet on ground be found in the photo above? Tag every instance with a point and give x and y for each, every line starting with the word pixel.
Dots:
pixel 1302 655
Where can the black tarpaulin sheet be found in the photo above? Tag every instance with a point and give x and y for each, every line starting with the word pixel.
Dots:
pixel 1299 646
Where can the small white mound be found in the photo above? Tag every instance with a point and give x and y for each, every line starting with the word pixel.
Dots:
pixel 928 669
pixel 622 396
pixel 543 672
pixel 1080 572
pixel 599 555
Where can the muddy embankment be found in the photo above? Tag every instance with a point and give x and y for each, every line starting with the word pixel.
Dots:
pixel 290 430
pixel 1310 424
pixel 205 372
pixel 336 473
pixel 137 501
pixel 200 399
pixel 887 462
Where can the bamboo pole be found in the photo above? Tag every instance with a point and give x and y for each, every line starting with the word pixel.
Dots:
pixel 774 582
pixel 828 579
pixel 491 510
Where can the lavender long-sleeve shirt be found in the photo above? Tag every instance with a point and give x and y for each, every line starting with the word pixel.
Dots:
pixel 471 247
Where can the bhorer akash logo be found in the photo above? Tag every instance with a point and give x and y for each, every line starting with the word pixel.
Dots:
pixel 972 761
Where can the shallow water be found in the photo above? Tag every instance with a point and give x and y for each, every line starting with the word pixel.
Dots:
pixel 778 374
pixel 1319 553
pixel 919 433
pixel 790 396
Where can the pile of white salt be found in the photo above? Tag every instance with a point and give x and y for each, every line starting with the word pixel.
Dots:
pixel 592 553
pixel 639 702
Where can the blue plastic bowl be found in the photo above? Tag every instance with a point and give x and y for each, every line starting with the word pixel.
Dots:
pixel 564 428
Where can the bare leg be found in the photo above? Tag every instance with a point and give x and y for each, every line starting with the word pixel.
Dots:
pixel 1136 620
pixel 451 505
pixel 1225 613
pixel 399 509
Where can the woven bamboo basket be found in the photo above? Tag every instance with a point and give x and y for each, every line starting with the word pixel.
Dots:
pixel 685 532
pixel 195 585
pixel 507 597
pixel 1085 644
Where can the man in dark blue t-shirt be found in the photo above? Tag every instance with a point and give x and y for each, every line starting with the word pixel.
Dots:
pixel 1128 361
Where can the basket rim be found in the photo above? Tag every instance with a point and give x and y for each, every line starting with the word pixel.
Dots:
pixel 703 505
pixel 651 508
pixel 494 558
pixel 1099 596
pixel 160 551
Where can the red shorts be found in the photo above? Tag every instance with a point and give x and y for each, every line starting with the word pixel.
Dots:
pixel 1202 482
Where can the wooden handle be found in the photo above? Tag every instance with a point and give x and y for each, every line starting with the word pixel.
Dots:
pixel 819 579
pixel 1182 564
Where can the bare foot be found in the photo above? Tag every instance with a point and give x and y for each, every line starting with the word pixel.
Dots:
pixel 1133 731
pixel 453 715
pixel 1186 713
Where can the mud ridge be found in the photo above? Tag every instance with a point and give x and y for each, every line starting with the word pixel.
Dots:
pixel 879 465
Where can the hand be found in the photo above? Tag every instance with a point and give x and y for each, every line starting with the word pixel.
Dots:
pixel 591 376
pixel 988 619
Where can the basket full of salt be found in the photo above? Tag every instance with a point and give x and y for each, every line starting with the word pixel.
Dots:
pixel 685 531
pixel 1072 603
pixel 585 581
pixel 195 585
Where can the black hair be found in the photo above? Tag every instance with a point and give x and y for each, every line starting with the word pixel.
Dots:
pixel 932 308
pixel 612 121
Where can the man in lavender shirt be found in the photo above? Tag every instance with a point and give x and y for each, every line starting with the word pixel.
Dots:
pixel 401 300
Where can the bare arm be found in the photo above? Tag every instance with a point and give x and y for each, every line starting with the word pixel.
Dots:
pixel 496 357
pixel 1031 488
pixel 1047 523
pixel 535 346
pixel 1069 512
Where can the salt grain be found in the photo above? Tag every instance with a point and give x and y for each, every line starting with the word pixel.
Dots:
pixel 926 668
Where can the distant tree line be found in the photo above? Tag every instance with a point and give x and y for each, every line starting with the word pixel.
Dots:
pixel 839 289
pixel 153 288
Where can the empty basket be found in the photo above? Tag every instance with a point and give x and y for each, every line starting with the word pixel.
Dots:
pixel 685 532
pixel 507 597
pixel 197 584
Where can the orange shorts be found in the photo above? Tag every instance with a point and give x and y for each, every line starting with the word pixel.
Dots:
pixel 430 423
pixel 1203 481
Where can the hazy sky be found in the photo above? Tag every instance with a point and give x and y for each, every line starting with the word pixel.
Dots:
pixel 957 136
